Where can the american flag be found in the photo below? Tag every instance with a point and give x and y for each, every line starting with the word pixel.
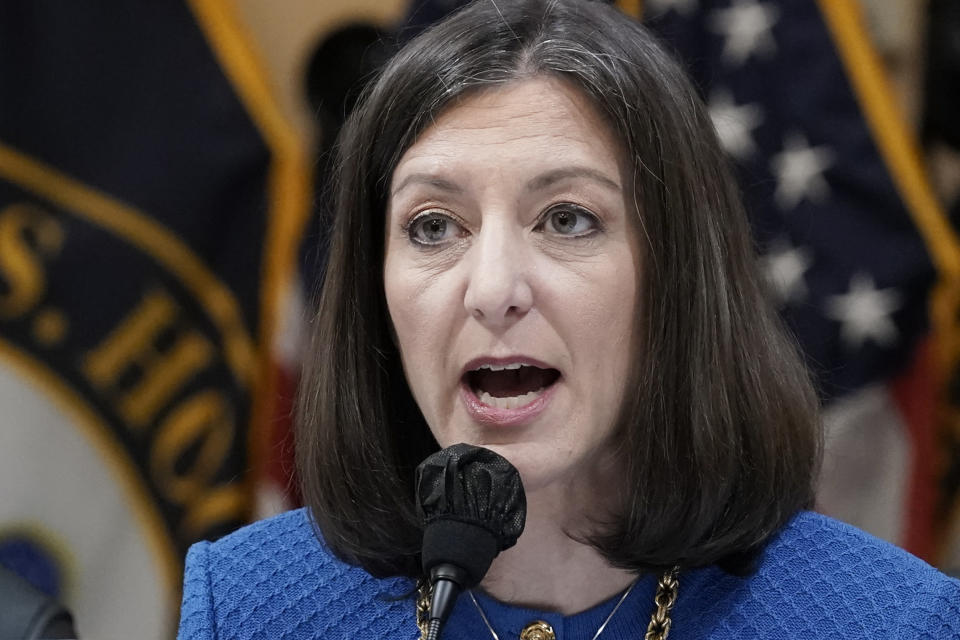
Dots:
pixel 851 240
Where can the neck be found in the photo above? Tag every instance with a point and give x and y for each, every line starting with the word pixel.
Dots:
pixel 549 569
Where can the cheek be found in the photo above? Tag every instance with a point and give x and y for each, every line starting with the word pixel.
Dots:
pixel 607 307
pixel 603 321
pixel 420 312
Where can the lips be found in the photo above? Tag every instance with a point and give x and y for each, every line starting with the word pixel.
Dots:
pixel 507 391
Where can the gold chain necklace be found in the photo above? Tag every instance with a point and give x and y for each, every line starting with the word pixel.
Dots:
pixel 658 629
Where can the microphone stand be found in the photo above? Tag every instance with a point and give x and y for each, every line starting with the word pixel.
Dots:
pixel 447 580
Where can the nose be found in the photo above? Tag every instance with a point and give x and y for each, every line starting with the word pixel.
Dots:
pixel 498 290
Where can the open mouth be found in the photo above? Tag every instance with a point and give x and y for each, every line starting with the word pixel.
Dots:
pixel 509 386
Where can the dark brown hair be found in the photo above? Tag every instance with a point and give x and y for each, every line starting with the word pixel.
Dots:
pixel 720 424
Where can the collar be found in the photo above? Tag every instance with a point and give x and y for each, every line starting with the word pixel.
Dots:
pixel 508 621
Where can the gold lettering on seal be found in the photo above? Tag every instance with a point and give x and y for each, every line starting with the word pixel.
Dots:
pixel 204 426
pixel 27 234
pixel 162 372
pixel 205 422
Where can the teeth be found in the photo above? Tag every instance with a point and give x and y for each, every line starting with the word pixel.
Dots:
pixel 510 402
pixel 505 367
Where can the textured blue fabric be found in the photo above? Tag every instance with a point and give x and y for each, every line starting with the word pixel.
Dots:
pixel 818 578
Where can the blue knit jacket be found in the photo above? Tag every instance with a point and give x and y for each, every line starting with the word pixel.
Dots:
pixel 817 578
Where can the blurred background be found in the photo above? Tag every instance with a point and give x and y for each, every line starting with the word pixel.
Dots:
pixel 162 172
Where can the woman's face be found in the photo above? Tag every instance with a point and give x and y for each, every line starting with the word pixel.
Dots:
pixel 511 277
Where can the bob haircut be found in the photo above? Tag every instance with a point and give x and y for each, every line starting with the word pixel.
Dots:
pixel 719 428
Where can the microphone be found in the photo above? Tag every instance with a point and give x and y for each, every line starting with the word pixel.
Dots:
pixel 473 507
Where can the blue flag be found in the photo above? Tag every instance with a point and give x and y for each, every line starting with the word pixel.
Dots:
pixel 150 201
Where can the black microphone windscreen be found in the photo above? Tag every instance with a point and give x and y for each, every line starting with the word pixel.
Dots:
pixel 472 503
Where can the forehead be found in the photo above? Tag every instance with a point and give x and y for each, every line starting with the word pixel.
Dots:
pixel 522 126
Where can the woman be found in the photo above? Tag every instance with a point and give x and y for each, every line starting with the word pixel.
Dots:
pixel 538 248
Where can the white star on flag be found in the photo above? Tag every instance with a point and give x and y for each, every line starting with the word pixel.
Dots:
pixel 735 123
pixel 784 267
pixel 659 7
pixel 864 312
pixel 745 27
pixel 799 171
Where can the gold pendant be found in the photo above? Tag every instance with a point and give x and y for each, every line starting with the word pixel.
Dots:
pixel 538 630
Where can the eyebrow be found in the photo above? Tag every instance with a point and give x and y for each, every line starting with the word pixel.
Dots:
pixel 540 182
pixel 549 178
pixel 427 179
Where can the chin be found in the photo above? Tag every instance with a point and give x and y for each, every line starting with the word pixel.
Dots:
pixel 536 464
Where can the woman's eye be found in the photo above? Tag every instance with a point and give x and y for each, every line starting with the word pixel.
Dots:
pixel 433 228
pixel 570 221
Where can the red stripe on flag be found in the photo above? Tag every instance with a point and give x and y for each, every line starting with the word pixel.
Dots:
pixel 914 391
